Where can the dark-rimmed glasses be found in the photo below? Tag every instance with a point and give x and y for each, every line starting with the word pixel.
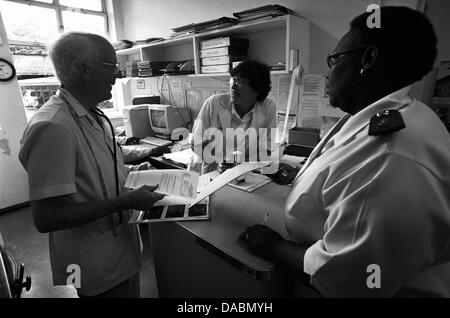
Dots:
pixel 238 82
pixel 331 58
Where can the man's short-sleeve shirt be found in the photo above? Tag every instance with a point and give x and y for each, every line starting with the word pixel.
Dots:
pixel 58 160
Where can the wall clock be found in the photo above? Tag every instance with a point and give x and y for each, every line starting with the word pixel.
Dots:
pixel 7 70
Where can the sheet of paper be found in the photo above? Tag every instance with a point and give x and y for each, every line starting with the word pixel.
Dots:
pixel 228 176
pixel 173 200
pixel 203 182
pixel 283 85
pixel 175 182
pixel 292 122
pixel 185 156
pixel 313 90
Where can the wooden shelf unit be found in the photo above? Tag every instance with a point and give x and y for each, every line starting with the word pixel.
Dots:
pixel 269 40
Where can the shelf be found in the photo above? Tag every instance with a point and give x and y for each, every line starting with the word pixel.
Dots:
pixel 131 50
pixel 29 54
pixel 270 40
pixel 248 27
pixel 204 75
pixel 167 42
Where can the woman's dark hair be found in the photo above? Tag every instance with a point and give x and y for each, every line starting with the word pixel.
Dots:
pixel 258 75
pixel 406 41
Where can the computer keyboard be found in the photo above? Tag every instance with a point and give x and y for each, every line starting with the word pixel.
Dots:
pixel 156 141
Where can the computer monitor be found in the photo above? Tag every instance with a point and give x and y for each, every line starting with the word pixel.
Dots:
pixel 165 118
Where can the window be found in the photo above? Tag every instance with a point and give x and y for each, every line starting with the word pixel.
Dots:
pixel 74 21
pixel 32 24
pixel 95 5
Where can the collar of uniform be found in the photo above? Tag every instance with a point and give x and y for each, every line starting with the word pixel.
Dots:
pixel 360 120
pixel 76 105
pixel 247 117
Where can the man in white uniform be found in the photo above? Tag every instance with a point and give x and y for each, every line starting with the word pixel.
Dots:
pixel 369 213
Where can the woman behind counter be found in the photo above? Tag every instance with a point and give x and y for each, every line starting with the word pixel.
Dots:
pixel 369 213
pixel 245 107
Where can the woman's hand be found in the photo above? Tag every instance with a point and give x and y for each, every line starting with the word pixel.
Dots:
pixel 132 141
pixel 261 240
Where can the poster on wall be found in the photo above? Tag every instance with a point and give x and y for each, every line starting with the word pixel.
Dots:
pixel 441 96
pixel 312 90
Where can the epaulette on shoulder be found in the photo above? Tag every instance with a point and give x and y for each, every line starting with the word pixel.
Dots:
pixel 386 121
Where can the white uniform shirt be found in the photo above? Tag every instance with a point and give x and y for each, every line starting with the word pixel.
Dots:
pixel 382 200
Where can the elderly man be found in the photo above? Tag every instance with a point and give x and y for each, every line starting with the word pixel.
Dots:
pixel 76 175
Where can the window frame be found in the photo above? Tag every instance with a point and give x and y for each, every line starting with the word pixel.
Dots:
pixel 60 8
pixel 114 112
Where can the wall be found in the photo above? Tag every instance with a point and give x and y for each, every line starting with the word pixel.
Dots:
pixel 330 18
pixel 13 179
pixel 329 21
pixel 438 11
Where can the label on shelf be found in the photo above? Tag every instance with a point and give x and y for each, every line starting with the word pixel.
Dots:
pixel 217 60
pixel 216 68
pixel 221 51
pixel 224 41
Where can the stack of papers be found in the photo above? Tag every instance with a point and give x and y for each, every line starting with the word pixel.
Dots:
pixel 203 26
pixel 185 156
pixel 180 187
pixel 267 11
pixel 182 202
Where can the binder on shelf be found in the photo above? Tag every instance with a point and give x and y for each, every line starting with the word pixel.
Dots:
pixel 210 25
pixel 151 68
pixel 224 41
pixel 272 9
pixel 221 51
pixel 122 44
pixel 148 40
pixel 224 68
pixel 217 60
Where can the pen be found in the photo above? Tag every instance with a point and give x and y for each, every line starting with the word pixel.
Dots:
pixel 265 219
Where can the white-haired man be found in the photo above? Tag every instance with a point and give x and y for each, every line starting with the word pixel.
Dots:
pixel 76 175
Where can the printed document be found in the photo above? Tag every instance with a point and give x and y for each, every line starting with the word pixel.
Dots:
pixel 181 183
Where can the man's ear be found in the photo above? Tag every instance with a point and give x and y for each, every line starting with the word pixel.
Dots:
pixel 84 71
pixel 369 58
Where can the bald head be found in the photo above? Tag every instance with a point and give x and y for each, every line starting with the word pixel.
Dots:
pixel 72 50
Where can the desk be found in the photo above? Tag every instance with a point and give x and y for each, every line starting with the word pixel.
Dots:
pixel 206 258
pixel 162 163
pixel 136 154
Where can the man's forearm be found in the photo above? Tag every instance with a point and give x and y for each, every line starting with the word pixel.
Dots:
pixel 60 214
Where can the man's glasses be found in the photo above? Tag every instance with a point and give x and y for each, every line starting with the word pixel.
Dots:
pixel 238 82
pixel 332 58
